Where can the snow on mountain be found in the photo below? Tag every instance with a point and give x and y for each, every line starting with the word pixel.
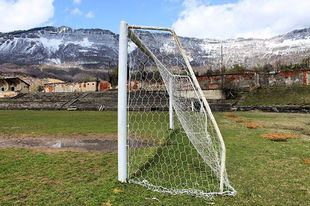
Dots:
pixel 50 45
pixel 96 49
pixel 288 48
pixel 208 53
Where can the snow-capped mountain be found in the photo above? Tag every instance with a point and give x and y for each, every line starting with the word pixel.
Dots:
pixel 205 54
pixel 288 48
pixel 63 45
pixel 92 50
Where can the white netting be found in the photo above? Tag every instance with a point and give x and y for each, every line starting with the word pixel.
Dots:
pixel 182 160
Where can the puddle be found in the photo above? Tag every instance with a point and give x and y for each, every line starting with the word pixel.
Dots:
pixel 103 145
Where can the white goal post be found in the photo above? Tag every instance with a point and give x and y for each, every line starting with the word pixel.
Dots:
pixel 168 139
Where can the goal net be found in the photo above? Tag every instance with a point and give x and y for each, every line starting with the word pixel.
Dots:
pixel 173 142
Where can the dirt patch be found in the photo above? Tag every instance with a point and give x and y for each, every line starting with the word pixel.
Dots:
pixel 54 144
pixel 65 136
pixel 49 150
pixel 276 136
pixel 7 197
pixel 253 125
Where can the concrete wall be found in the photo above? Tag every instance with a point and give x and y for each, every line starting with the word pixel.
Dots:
pixel 96 101
pixel 160 86
pixel 232 81
pixel 285 78
pixel 8 94
pixel 247 81
pixel 91 86
pixel 215 94
pixel 243 82
pixel 146 85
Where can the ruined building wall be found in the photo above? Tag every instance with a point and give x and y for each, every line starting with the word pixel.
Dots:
pixel 10 87
pixel 91 86
pixel 243 82
pixel 249 80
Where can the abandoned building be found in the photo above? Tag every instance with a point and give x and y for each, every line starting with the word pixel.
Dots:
pixel 91 86
pixel 10 87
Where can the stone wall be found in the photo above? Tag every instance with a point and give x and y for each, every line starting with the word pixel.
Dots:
pixel 96 101
pixel 244 82
pixel 241 82
pixel 285 78
pixel 283 109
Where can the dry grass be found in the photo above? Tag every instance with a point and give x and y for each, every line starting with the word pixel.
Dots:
pixel 277 136
pixel 307 161
pixel 117 191
pixel 253 125
pixel 231 115
pixel 263 173
pixel 283 122
pixel 240 120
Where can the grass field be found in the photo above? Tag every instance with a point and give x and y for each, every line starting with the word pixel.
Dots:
pixel 266 96
pixel 262 171
pixel 57 122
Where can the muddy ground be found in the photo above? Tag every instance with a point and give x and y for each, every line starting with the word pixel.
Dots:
pixel 91 142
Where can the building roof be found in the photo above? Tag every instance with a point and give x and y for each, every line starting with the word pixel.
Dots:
pixel 13 80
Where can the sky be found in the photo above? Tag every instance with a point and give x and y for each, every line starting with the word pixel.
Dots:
pixel 218 19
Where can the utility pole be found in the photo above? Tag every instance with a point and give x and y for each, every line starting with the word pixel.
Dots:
pixel 222 68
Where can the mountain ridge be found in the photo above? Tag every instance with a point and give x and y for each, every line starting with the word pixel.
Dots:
pixel 68 54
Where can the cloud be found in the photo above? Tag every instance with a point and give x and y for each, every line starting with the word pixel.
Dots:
pixel 245 18
pixel 90 15
pixel 24 14
pixel 77 11
pixel 76 2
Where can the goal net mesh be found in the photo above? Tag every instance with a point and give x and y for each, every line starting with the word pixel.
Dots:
pixel 182 156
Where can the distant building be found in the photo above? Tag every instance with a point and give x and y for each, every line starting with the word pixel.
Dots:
pixel 91 86
pixel 10 87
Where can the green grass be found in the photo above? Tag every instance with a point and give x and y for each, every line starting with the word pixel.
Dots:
pixel 57 122
pixel 263 172
pixel 184 163
pixel 266 96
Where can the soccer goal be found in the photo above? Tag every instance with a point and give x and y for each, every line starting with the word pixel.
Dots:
pixel 168 139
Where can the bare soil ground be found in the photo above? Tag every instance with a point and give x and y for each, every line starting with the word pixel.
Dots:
pixel 74 136
pixel 57 143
